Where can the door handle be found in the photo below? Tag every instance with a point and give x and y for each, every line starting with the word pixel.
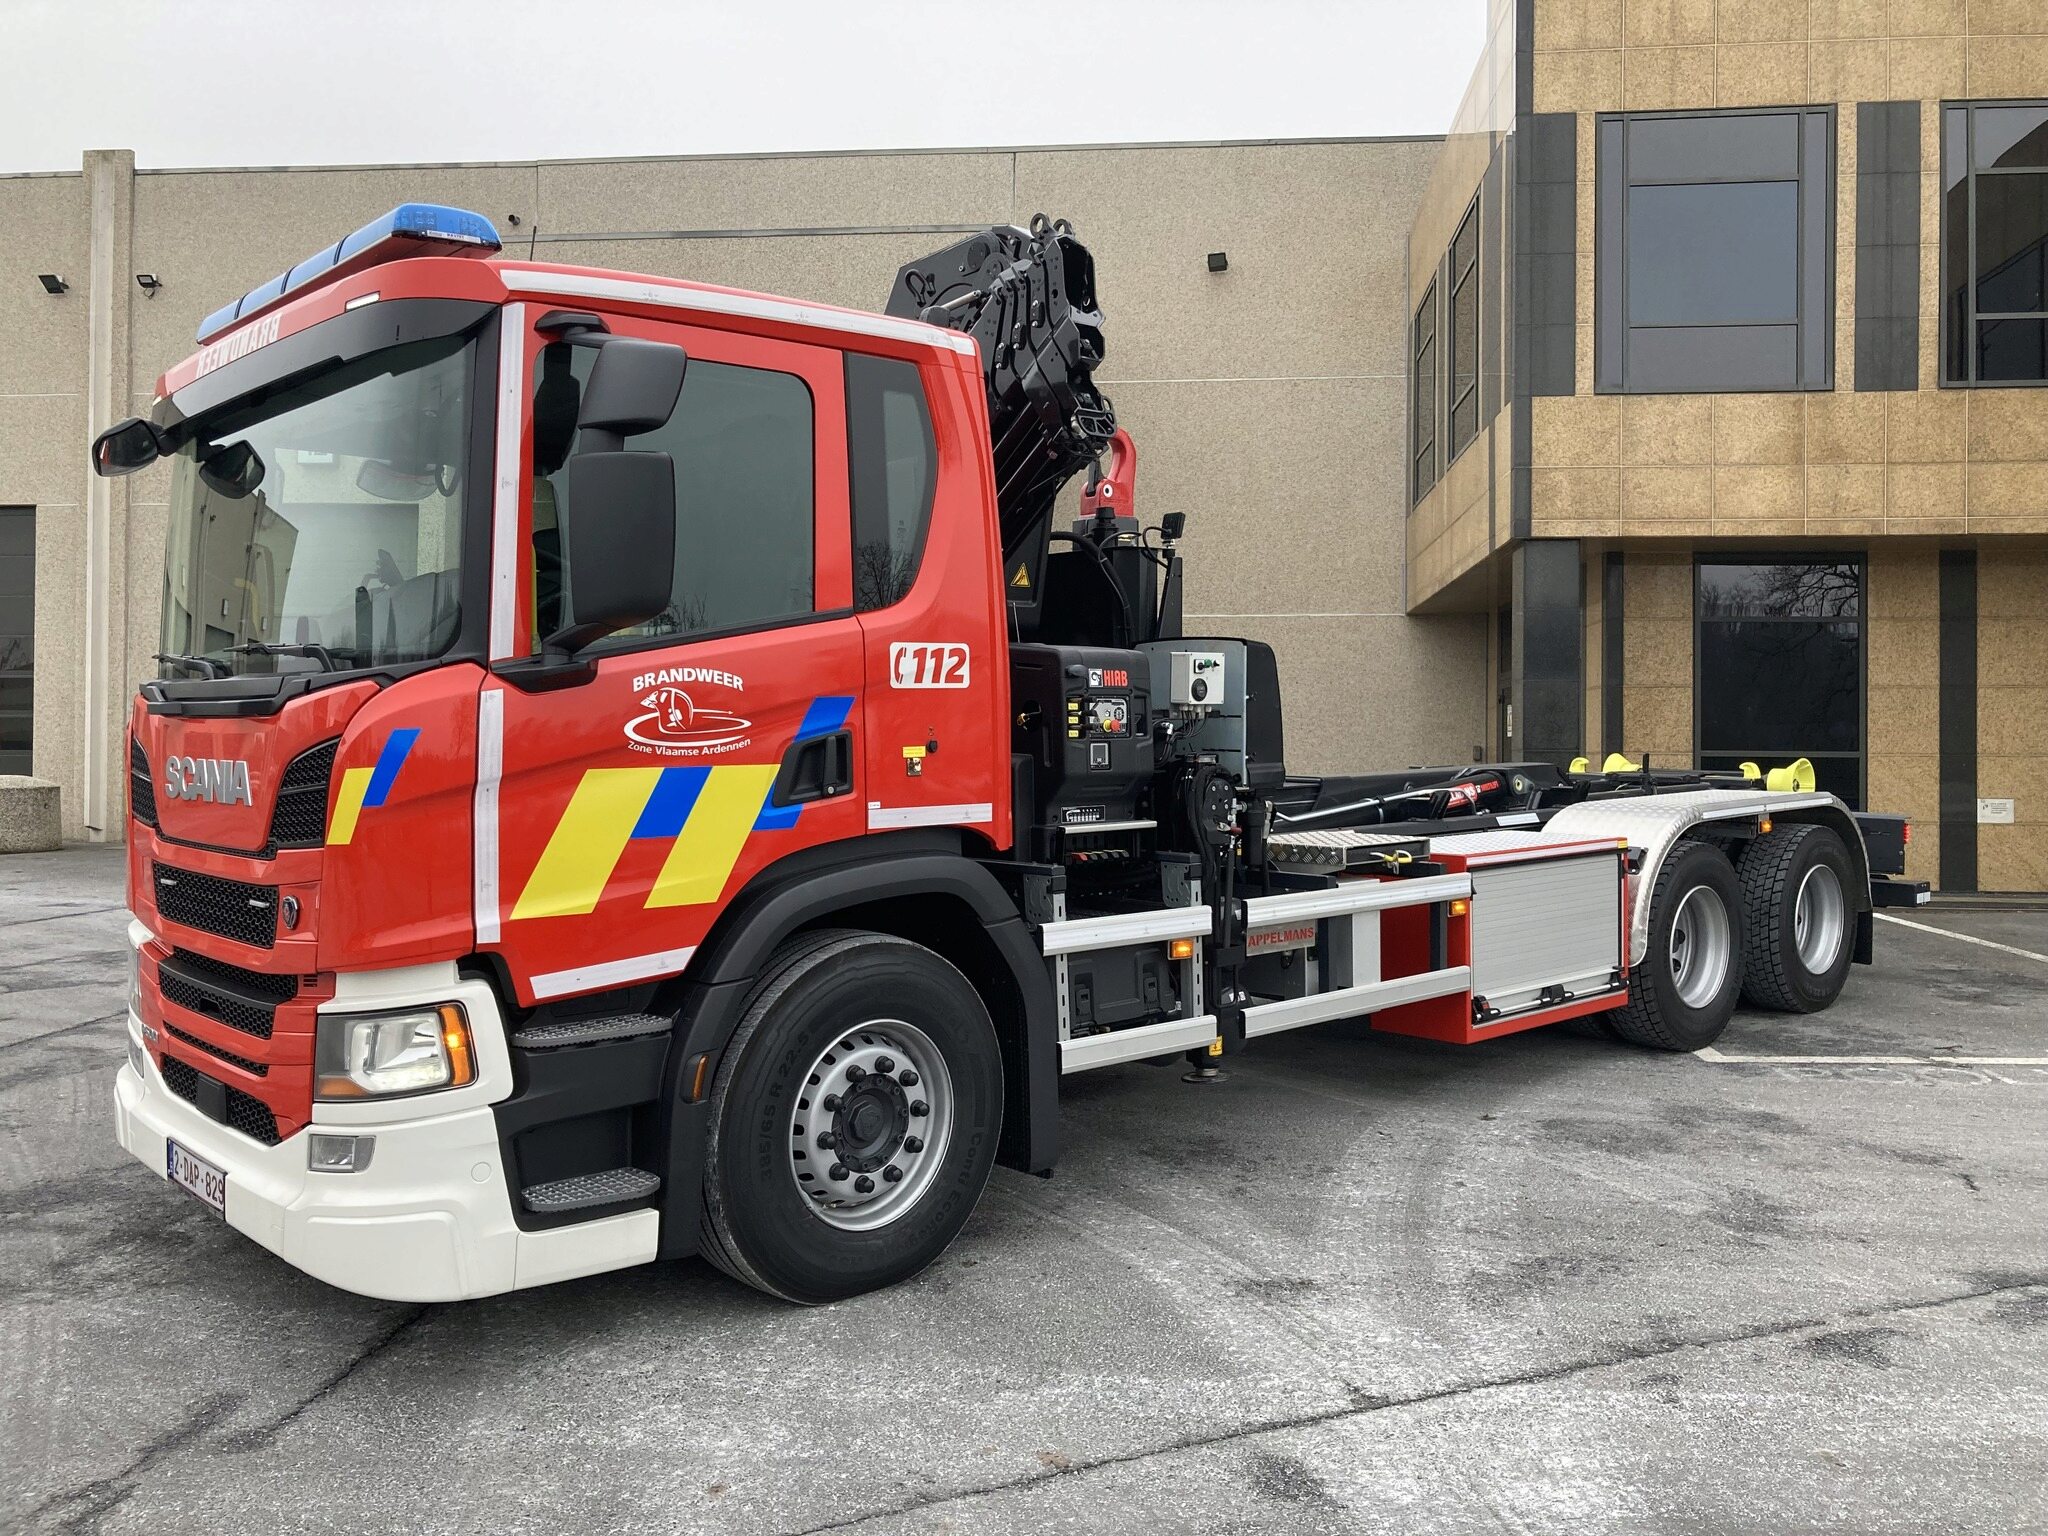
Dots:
pixel 817 768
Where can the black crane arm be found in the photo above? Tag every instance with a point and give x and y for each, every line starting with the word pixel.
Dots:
pixel 1028 297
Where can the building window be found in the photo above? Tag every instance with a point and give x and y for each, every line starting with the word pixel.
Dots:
pixel 1994 243
pixel 1778 659
pixel 1716 237
pixel 892 471
pixel 1463 334
pixel 1422 455
pixel 17 637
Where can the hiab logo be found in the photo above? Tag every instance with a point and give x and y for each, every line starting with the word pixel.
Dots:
pixel 674 724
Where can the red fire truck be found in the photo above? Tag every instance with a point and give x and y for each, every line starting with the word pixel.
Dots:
pixel 642 769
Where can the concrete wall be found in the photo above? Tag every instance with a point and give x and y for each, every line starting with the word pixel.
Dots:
pixel 1268 401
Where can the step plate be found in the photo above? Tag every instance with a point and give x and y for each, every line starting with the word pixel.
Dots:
pixel 617 1026
pixel 615 1186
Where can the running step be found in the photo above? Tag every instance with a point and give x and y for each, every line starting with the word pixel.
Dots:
pixel 615 1186
pixel 611 1026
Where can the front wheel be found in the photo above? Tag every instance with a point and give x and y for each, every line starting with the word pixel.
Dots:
pixel 1683 991
pixel 854 1118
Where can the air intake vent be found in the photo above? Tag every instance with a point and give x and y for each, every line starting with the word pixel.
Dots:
pixel 231 908
pixel 300 819
pixel 141 785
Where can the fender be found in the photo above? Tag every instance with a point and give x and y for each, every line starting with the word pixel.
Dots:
pixel 807 890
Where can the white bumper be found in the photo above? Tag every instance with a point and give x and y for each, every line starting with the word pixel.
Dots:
pixel 430 1219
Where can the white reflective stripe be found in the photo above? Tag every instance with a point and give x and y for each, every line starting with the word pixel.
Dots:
pixel 1124 929
pixel 612 973
pixel 1350 1002
pixel 751 306
pixel 1354 896
pixel 1134 1044
pixel 505 502
pixel 882 818
pixel 490 764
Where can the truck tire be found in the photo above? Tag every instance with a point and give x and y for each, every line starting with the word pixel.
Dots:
pixel 854 1118
pixel 1681 995
pixel 1798 921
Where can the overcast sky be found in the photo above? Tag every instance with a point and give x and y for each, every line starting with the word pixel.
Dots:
pixel 324 82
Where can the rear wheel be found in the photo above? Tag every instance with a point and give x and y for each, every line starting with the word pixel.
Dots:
pixel 853 1118
pixel 1683 991
pixel 1797 917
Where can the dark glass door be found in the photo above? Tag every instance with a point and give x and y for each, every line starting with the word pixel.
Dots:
pixel 17 637
pixel 1778 666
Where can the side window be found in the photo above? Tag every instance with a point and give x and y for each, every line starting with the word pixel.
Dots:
pixel 1716 248
pixel 1423 448
pixel 743 443
pixel 893 465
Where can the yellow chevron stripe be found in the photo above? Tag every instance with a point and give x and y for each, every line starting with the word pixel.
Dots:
pixel 355 783
pixel 702 858
pixel 585 846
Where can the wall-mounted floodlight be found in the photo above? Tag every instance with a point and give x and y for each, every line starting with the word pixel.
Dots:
pixel 148 282
pixel 1219 261
pixel 51 282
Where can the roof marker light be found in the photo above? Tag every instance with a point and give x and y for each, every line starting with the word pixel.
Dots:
pixel 411 229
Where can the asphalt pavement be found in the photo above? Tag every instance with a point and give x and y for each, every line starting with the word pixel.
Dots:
pixel 1365 1284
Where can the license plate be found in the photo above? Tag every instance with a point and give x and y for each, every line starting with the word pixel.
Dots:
pixel 198 1176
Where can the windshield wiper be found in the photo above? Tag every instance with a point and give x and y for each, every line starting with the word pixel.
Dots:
pixel 204 664
pixel 319 653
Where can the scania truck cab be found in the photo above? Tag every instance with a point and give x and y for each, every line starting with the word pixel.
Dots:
pixel 635 773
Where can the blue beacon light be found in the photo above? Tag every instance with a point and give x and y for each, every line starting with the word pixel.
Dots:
pixel 411 229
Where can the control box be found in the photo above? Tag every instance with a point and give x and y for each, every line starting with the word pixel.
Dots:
pixel 1196 680
pixel 1232 690
pixel 1083 718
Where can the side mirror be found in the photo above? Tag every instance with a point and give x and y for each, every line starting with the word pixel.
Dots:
pixel 633 388
pixel 126 447
pixel 234 471
pixel 619 541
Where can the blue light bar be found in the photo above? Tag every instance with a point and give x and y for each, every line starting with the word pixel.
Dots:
pixel 411 229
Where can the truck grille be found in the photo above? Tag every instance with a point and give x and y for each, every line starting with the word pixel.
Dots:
pixel 300 819
pixel 227 994
pixel 231 908
pixel 250 1116
pixel 253 1068
pixel 141 785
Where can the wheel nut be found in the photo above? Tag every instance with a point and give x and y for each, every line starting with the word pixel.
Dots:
pixel 884 1064
pixel 892 1173
pixel 908 1079
pixel 855 1073
pixel 913 1143
pixel 864 1185
pixel 831 1102
pixel 919 1107
pixel 836 1173
pixel 827 1140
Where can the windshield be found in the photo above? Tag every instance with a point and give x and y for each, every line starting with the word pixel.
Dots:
pixel 321 524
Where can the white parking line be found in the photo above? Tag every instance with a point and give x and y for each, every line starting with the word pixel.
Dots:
pixel 1947 933
pixel 1708 1053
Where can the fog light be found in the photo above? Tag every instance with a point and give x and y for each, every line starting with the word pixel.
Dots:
pixel 339 1154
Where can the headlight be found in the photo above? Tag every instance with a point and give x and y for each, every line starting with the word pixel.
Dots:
pixel 135 981
pixel 379 1055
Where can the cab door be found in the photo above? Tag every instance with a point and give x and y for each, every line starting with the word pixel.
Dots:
pixel 711 741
